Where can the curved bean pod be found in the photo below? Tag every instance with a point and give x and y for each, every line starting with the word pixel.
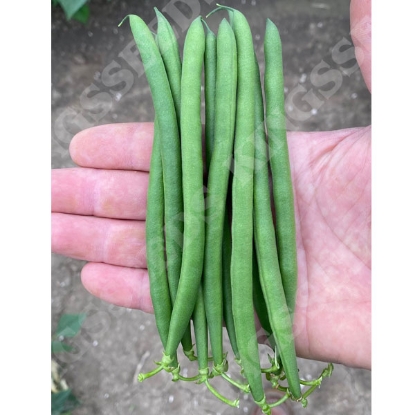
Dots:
pixel 242 209
pixel 217 187
pixel 210 92
pixel 280 163
pixel 266 249
pixel 226 286
pixel 166 131
pixel 259 299
pixel 193 196
pixel 169 137
pixel 169 50
pixel 170 53
pixel 156 265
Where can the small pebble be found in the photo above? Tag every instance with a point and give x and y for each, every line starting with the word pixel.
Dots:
pixel 79 59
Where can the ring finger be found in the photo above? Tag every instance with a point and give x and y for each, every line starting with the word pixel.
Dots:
pixel 93 239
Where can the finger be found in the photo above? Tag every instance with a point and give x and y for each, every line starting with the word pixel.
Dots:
pixel 113 241
pixel 361 31
pixel 114 146
pixel 125 287
pixel 104 193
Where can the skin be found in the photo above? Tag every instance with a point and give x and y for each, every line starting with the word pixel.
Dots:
pixel 333 309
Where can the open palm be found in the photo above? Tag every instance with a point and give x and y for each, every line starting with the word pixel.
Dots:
pixel 332 189
pixel 99 216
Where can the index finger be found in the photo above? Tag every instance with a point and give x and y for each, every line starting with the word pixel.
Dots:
pixel 114 146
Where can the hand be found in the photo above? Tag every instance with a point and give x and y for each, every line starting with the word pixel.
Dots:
pixel 99 216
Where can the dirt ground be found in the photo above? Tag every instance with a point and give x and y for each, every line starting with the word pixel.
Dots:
pixel 97 79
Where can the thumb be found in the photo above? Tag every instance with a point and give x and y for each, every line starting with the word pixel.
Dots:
pixel 361 32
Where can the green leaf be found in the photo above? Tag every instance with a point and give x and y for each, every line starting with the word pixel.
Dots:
pixel 69 325
pixel 63 401
pixel 82 15
pixel 70 7
pixel 58 346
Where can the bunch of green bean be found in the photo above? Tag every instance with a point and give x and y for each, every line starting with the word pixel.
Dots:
pixel 214 256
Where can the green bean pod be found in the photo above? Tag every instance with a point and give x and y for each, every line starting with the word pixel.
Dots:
pixel 280 163
pixel 169 137
pixel 155 245
pixel 193 196
pixel 169 50
pixel 242 209
pixel 170 53
pixel 266 250
pixel 226 286
pixel 210 92
pixel 156 265
pixel 259 301
pixel 166 131
pixel 217 187
pixel 201 331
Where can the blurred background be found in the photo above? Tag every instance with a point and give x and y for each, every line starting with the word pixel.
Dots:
pixel 97 78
